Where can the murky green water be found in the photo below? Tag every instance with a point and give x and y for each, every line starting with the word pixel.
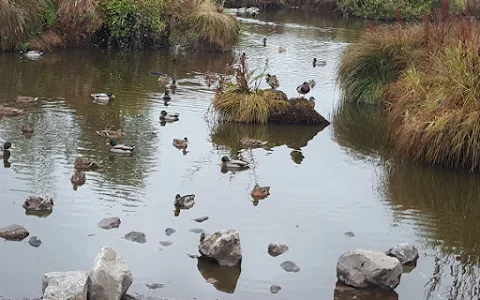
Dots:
pixel 323 182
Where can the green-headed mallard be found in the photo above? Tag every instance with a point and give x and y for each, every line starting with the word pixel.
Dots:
pixel 318 62
pixel 78 178
pixel 121 149
pixel 248 142
pixel 103 97
pixel 273 81
pixel 27 128
pixel 10 111
pixel 180 144
pixel 169 117
pixel 234 163
pixel 112 134
pixel 260 192
pixel 166 96
pixel 25 99
pixel 184 202
pixel 83 163
pixel 5 149
pixel 303 89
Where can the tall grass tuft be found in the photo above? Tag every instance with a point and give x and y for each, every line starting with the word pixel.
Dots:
pixel 78 20
pixel 377 59
pixel 243 107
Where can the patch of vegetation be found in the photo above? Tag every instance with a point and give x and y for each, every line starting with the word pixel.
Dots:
pixel 386 9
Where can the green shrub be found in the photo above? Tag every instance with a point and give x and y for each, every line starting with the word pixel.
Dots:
pixel 386 9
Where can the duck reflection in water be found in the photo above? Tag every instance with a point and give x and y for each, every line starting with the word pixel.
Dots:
pixel 224 279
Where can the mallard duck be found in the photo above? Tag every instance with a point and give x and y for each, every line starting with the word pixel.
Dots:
pixel 103 97
pixel 121 149
pixel 112 134
pixel 303 89
pixel 33 54
pixel 312 83
pixel 5 150
pixel 83 163
pixel 264 42
pixel 209 78
pixel 173 85
pixel 166 96
pixel 311 101
pixel 163 79
pixel 184 202
pixel 27 128
pixel 78 178
pixel 180 144
pixel 260 192
pixel 319 62
pixel 169 117
pixel 25 99
pixel 273 81
pixel 248 142
pixel 234 164
pixel 281 49
pixel 10 111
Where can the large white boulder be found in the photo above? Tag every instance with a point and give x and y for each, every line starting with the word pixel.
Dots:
pixel 365 269
pixel 406 253
pixel 222 246
pixel 65 285
pixel 110 277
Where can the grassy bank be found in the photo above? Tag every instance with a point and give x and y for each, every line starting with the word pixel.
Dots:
pixel 49 24
pixel 428 78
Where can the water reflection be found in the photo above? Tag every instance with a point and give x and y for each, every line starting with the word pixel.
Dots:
pixel 222 278
pixel 343 292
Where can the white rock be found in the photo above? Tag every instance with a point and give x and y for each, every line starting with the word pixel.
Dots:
pixel 365 268
pixel 65 285
pixel 406 253
pixel 110 278
pixel 222 246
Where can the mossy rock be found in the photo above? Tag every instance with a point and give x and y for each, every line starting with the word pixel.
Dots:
pixel 295 111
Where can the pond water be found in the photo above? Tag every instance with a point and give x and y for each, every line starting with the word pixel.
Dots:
pixel 324 183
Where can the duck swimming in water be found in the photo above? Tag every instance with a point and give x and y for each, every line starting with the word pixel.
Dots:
pixel 121 149
pixel 234 164
pixel 180 144
pixel 318 62
pixel 103 97
pixel 5 150
pixel 264 42
pixel 166 96
pixel 33 54
pixel 169 117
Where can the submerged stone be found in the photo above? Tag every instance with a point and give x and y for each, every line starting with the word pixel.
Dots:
pixel 135 236
pixel 35 241
pixel 275 289
pixel 170 231
pixel 290 266
pixel 109 223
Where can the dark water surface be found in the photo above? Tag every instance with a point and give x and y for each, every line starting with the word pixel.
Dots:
pixel 324 183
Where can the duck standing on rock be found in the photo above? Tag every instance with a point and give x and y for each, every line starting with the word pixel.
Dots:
pixel 303 89
pixel 121 149
pixel 169 117
pixel 103 97
pixel 273 81
pixel 180 144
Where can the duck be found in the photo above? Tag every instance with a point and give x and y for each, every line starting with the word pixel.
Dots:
pixel 312 83
pixel 5 150
pixel 184 202
pixel 173 85
pixel 273 81
pixel 209 78
pixel 163 79
pixel 27 128
pixel 83 163
pixel 248 142
pixel 10 111
pixel 281 49
pixel 264 42
pixel 25 99
pixel 113 134
pixel 180 144
pixel 234 164
pixel 318 62
pixel 260 192
pixel 166 96
pixel 303 89
pixel 103 97
pixel 78 178
pixel 120 148
pixel 169 117
pixel 33 54
pixel 311 101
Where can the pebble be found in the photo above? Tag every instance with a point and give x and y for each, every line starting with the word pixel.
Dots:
pixel 200 219
pixel 275 289
pixel 196 230
pixel 165 243
pixel 35 241
pixel 290 266
pixel 349 234
pixel 169 231
pixel 137 237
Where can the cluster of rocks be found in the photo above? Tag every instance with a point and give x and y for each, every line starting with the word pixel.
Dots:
pixel 367 269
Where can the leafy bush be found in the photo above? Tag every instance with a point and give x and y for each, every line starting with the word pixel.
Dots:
pixel 386 9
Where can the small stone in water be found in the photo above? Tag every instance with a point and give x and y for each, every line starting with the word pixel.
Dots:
pixel 349 234
pixel 154 286
pixel 109 223
pixel 275 289
pixel 193 256
pixel 165 243
pixel 137 237
pixel 196 230
pixel 35 241
pixel 290 266
pixel 170 231
pixel 200 219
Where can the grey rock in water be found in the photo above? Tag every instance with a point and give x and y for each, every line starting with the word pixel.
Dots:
pixel 275 289
pixel 165 243
pixel 109 223
pixel 290 266
pixel 197 230
pixel 200 219
pixel 223 247
pixel 276 249
pixel 110 277
pixel 14 232
pixel 349 234
pixel 41 203
pixel 35 241
pixel 369 269
pixel 406 253
pixel 170 231
pixel 135 236
pixel 65 285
